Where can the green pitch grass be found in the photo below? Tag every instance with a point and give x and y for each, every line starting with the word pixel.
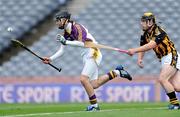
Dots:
pixel 77 110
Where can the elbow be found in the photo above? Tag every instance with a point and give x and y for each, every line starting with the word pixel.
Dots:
pixel 152 46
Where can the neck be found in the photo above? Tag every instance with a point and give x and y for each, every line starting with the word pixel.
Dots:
pixel 68 27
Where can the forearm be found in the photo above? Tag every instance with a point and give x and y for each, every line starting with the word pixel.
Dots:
pixel 146 47
pixel 58 53
pixel 143 48
pixel 75 43
pixel 141 55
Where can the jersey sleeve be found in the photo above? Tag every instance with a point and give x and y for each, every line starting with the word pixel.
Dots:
pixel 81 33
pixel 66 35
pixel 143 40
pixel 159 35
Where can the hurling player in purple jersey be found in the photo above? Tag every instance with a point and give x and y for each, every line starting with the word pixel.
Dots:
pixel 76 34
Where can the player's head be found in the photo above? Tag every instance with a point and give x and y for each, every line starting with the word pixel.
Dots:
pixel 62 18
pixel 147 20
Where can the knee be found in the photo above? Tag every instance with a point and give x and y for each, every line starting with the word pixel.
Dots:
pixel 83 80
pixel 162 80
pixel 96 84
pixel 176 87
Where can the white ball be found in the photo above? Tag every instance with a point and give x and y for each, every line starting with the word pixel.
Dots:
pixel 9 29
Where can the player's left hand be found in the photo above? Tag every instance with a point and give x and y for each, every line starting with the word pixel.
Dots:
pixel 140 63
pixel 61 39
pixel 131 52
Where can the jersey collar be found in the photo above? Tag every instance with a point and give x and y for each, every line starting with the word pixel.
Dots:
pixel 68 27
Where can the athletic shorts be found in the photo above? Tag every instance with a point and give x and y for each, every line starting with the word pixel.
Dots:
pixel 90 69
pixel 91 61
pixel 173 61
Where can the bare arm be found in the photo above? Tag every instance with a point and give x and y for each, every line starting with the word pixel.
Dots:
pixel 146 47
pixel 141 55
pixel 140 59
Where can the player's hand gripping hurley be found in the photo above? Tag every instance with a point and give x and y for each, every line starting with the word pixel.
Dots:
pixel 16 42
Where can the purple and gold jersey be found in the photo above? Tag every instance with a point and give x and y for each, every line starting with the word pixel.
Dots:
pixel 77 32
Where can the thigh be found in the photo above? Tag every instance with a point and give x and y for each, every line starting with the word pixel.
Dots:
pixel 167 72
pixel 168 64
pixel 90 69
pixel 175 80
pixel 178 62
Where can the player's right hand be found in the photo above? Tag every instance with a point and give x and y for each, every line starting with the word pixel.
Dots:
pixel 46 60
pixel 61 39
pixel 131 52
pixel 140 63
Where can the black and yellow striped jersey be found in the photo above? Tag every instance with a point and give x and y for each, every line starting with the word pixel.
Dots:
pixel 164 44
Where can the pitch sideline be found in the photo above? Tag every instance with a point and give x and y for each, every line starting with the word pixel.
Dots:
pixel 75 112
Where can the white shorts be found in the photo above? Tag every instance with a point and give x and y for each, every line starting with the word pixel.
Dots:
pixel 168 59
pixel 90 69
pixel 91 60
